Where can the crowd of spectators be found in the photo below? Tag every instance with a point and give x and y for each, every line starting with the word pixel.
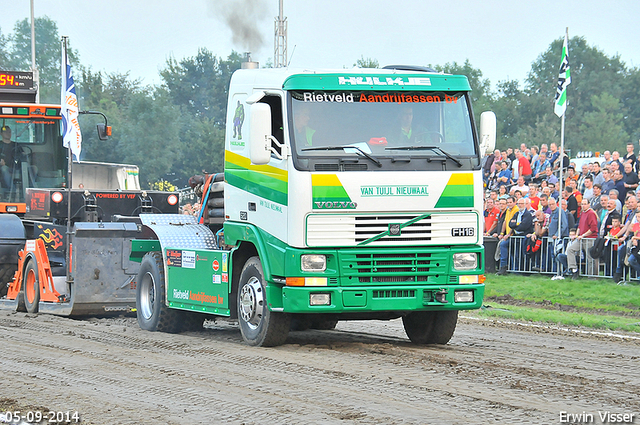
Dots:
pixel 543 223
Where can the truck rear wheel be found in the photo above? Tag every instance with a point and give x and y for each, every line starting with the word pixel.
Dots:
pixel 31 287
pixel 153 314
pixel 430 327
pixel 259 326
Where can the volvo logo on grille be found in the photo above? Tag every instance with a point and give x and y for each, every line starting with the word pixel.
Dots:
pixel 394 229
pixel 463 231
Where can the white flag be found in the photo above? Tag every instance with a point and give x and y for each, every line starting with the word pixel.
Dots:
pixel 564 79
pixel 71 136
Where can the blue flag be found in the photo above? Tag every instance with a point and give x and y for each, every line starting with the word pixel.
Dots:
pixel 71 136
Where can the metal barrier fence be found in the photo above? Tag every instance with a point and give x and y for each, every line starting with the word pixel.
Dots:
pixel 551 258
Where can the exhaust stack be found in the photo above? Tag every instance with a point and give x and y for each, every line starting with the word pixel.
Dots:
pixel 248 63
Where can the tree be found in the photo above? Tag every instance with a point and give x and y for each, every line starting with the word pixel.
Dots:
pixel 366 63
pixel 481 95
pixel 150 136
pixel 506 107
pixel 112 96
pixel 201 83
pixel 4 54
pixel 592 73
pixel 603 125
pixel 48 54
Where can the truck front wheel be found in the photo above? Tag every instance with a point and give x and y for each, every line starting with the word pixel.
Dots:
pixel 430 327
pixel 152 313
pixel 259 326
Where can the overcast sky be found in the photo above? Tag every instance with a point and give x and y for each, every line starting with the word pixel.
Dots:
pixel 500 37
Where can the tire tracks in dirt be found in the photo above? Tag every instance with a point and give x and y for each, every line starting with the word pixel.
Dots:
pixel 363 372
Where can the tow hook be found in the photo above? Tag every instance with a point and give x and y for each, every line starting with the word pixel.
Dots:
pixel 441 296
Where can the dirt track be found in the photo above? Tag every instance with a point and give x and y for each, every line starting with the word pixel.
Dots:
pixel 112 372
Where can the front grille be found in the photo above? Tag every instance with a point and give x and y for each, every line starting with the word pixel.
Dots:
pixel 406 293
pixel 397 267
pixel 333 229
pixel 368 227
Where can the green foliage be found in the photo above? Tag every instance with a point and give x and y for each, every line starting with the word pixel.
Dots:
pixel 481 96
pixel 599 96
pixel 603 122
pixel 176 130
pixel 366 63
pixel 201 83
pixel 15 54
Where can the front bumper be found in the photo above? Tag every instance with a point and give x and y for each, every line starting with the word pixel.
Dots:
pixel 381 298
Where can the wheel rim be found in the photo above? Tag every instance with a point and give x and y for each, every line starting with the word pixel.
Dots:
pixel 31 286
pixel 252 303
pixel 147 295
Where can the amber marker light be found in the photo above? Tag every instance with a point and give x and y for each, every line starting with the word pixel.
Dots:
pixel 295 281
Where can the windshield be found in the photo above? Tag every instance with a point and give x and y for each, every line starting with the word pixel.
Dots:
pixel 384 125
pixel 31 155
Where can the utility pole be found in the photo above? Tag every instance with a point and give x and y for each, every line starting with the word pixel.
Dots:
pixel 280 43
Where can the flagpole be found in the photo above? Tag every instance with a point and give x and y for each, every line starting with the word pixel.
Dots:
pixel 564 80
pixel 69 163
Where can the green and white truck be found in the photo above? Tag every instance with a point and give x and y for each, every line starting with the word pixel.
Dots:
pixel 346 195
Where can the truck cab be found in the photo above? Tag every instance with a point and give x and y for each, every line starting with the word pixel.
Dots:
pixel 359 192
pixel 348 195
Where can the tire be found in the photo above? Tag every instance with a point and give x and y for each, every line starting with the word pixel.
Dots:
pixel 151 311
pixel 418 326
pixel 31 287
pixel 215 203
pixel 444 326
pixel 192 322
pixel 430 327
pixel 259 326
pixel 300 322
pixel 7 271
pixel 324 325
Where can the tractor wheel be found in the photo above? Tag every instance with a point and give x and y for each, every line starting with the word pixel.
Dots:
pixel 31 287
pixel 7 271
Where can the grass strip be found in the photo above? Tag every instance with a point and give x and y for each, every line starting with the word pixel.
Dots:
pixel 556 317
pixel 599 295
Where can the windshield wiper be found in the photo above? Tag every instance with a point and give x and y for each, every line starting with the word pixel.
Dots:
pixel 430 148
pixel 341 148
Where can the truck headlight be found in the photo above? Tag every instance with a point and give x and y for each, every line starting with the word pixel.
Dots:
pixel 465 260
pixel 313 262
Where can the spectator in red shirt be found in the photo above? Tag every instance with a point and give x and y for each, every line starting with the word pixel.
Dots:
pixel 587 228
pixel 491 214
pixel 533 196
pixel 524 167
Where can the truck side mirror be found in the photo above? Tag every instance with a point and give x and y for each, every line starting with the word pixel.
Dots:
pixel 260 134
pixel 487 132
pixel 104 131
